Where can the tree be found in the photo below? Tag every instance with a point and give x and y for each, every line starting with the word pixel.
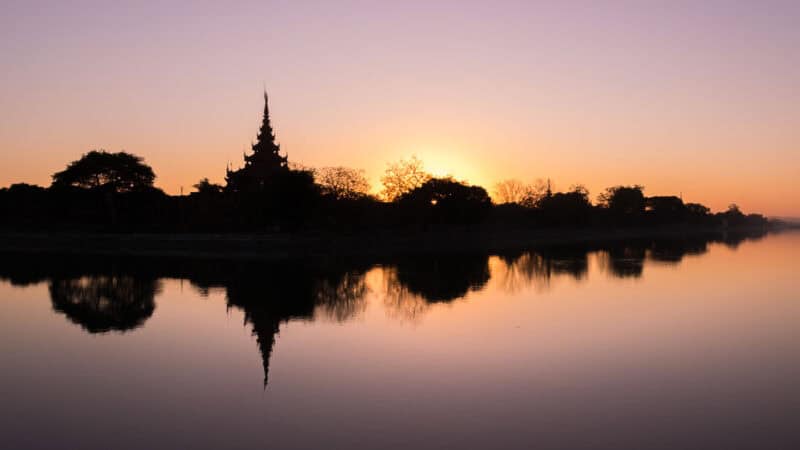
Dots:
pixel 698 210
pixel 538 190
pixel 528 195
pixel 447 200
pixel 120 172
pixel 733 216
pixel 402 177
pixel 626 203
pixel 580 190
pixel 205 187
pixel 666 209
pixel 566 208
pixel 264 163
pixel 342 183
pixel 511 191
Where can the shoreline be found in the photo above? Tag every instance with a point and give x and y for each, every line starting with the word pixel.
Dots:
pixel 367 244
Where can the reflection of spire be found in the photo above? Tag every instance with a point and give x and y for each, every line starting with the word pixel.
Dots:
pixel 265 328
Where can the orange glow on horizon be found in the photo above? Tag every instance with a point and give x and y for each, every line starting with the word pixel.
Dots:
pixel 599 96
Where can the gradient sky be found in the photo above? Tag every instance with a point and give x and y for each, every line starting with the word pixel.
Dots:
pixel 698 98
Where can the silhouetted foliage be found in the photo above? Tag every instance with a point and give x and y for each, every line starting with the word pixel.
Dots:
pixel 204 187
pixel 510 191
pixel 117 172
pixel 566 208
pixel 445 200
pixel 696 209
pixel 342 183
pixel 516 192
pixel 625 203
pixel 114 192
pixel 402 177
pixel 666 209
pixel 734 217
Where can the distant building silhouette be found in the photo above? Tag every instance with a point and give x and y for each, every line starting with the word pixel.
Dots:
pixel 263 164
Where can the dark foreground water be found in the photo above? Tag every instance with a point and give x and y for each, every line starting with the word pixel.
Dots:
pixel 686 343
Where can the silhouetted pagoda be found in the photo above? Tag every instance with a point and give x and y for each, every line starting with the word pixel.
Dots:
pixel 263 164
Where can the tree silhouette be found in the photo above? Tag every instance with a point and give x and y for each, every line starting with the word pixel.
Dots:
pixel 402 177
pixel 447 200
pixel 510 191
pixel 666 209
pixel 626 203
pixel 342 183
pixel 566 208
pixel 120 172
pixel 205 187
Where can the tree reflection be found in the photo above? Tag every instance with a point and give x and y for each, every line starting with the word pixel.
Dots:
pixel 342 298
pixel 626 261
pixel 400 303
pixel 412 284
pixel 732 239
pixel 443 278
pixel 102 303
pixel 673 250
pixel 536 268
pixel 108 293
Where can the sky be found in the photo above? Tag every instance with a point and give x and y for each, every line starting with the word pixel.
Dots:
pixel 683 97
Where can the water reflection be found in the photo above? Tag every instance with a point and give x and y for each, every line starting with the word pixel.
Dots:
pixel 271 294
pixel 101 303
pixel 442 278
pixel 114 293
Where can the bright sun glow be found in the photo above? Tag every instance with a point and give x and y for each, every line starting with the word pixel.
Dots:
pixel 446 163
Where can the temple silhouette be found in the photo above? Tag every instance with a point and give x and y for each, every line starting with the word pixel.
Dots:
pixel 263 164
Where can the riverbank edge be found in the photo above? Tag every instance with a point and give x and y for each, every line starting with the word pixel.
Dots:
pixel 304 245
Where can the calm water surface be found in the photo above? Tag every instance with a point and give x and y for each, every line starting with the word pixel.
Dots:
pixel 660 344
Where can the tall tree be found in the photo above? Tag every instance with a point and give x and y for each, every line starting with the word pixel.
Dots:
pixel 120 172
pixel 623 200
pixel 402 177
pixel 515 191
pixel 447 200
pixel 342 182
pixel 510 191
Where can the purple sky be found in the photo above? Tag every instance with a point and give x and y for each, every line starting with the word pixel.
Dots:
pixel 699 98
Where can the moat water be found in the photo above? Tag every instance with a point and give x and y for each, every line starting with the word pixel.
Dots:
pixel 673 344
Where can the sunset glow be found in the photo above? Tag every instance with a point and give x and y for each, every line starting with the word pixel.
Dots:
pixel 691 98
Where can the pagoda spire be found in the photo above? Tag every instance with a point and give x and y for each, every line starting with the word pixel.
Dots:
pixel 265 161
pixel 266 135
pixel 265 148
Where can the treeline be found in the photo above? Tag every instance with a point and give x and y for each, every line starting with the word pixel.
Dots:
pixel 101 198
pixel 105 191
